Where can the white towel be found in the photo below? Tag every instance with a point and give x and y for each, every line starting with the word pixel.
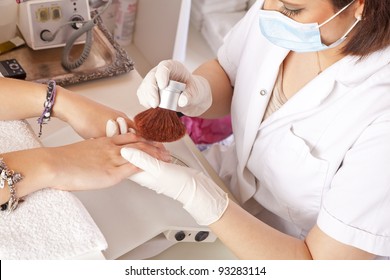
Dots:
pixel 49 224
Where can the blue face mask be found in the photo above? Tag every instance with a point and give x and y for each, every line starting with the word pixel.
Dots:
pixel 299 37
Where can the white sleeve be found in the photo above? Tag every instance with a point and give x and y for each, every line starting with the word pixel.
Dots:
pixel 356 210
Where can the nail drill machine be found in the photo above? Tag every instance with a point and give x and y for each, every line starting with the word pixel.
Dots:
pixel 41 20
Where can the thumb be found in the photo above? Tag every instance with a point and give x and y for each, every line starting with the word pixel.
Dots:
pixel 183 99
pixel 142 160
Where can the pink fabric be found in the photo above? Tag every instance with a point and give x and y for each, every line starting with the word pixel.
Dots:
pixel 207 131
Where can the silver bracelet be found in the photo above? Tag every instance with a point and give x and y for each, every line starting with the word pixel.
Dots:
pixel 47 105
pixel 11 178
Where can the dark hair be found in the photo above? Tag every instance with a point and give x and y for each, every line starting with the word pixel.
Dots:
pixel 373 32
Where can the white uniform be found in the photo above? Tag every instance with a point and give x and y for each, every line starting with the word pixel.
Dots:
pixel 324 156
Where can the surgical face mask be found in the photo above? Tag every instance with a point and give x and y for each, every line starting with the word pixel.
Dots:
pixel 299 37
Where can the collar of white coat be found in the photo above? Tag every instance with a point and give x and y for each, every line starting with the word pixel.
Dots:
pixel 353 70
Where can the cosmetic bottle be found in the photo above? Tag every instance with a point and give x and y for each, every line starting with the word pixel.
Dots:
pixel 125 21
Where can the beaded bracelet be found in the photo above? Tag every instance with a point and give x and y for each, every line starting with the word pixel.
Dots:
pixel 47 105
pixel 9 176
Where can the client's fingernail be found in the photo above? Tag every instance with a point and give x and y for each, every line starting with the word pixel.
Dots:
pixel 122 125
pixel 111 128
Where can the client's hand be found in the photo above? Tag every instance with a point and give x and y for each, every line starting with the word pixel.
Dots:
pixel 97 163
pixel 87 117
pixel 200 196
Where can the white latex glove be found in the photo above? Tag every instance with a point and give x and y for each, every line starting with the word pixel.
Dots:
pixel 200 196
pixel 119 126
pixel 195 99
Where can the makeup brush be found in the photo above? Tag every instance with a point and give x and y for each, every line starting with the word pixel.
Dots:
pixel 162 124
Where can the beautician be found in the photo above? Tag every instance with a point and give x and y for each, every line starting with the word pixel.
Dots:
pixel 307 83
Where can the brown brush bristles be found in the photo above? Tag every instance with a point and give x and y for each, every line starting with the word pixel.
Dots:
pixel 160 125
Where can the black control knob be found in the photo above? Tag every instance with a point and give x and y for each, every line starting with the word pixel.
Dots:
pixel 46 35
pixel 180 235
pixel 201 235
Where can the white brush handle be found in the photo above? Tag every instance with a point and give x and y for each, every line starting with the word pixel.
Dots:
pixel 169 96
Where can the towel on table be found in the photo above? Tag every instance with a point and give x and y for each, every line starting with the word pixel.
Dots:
pixel 48 224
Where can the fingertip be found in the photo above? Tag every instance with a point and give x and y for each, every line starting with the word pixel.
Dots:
pixel 111 128
pixel 134 156
pixel 123 128
pixel 183 100
pixel 126 151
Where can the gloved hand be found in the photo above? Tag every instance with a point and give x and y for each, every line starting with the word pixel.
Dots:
pixel 200 196
pixel 195 99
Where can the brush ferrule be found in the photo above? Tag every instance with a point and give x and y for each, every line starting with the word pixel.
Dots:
pixel 169 96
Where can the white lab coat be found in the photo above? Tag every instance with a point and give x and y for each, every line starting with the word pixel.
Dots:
pixel 324 157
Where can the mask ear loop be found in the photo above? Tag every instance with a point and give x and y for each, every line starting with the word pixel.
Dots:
pixel 336 14
pixel 358 19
